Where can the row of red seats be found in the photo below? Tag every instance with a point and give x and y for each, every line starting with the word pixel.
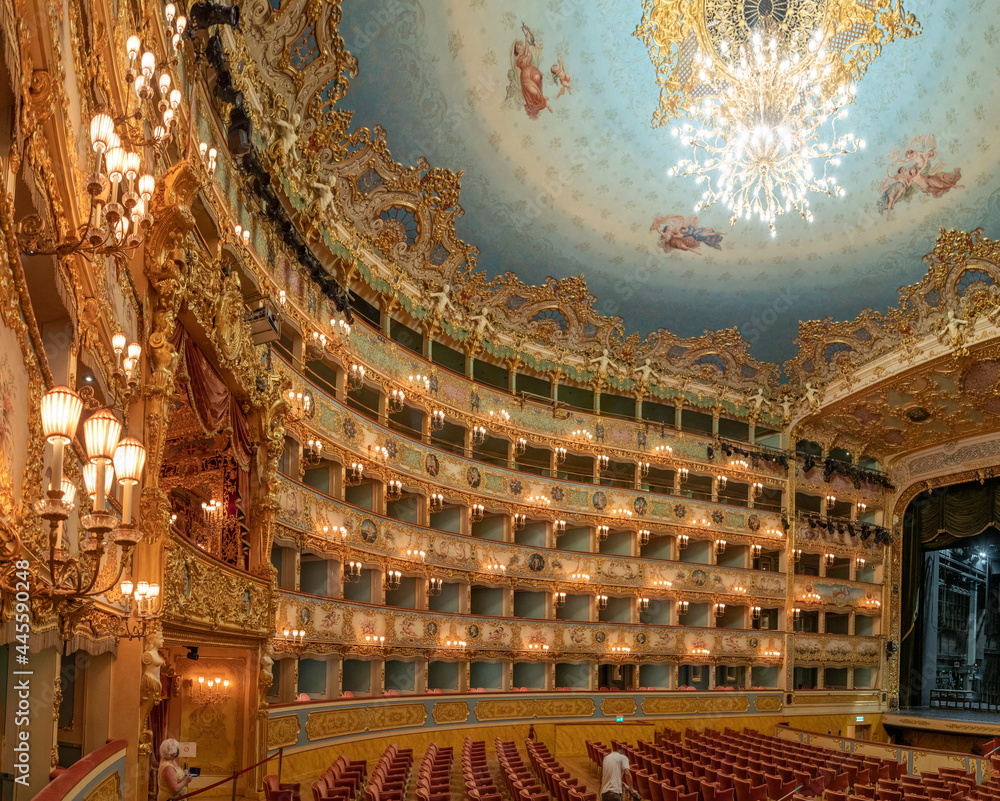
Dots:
pixel 434 776
pixel 391 775
pixel 479 784
pixel 554 776
pixel 339 782
pixel 521 783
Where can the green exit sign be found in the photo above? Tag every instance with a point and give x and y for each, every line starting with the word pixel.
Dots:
pixel 859 719
pixel 619 719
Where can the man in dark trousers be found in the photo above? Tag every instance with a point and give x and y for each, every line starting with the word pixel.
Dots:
pixel 614 769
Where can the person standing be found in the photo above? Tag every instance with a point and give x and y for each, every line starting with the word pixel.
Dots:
pixel 614 770
pixel 173 780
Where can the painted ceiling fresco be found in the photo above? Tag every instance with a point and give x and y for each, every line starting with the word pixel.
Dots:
pixel 564 174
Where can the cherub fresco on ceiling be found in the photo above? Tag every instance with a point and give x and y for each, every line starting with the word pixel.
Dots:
pixel 525 78
pixel 913 169
pixel 683 233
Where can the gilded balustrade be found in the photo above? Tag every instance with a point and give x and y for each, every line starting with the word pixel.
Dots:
pixel 304 513
pixel 338 626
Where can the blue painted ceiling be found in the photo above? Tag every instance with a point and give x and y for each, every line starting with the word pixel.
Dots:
pixel 577 189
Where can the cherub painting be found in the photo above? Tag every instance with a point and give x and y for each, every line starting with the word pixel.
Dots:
pixel 524 77
pixel 561 77
pixel 684 233
pixel 913 169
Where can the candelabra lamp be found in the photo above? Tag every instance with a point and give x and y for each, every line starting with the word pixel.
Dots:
pixel 352 572
pixel 476 512
pixel 76 576
pixel 393 489
pixel 354 474
pixel 437 420
pixel 435 586
pixel 355 377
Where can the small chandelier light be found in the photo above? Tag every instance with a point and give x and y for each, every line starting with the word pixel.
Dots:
pixel 393 489
pixel 663 451
pixel 559 527
pixel 720 547
pixel 436 500
pixel 643 469
pixel 862 506
pixel 559 600
pixel 437 420
pixel 459 644
pixel 416 555
pixel 377 640
pixel 419 383
pixel 393 578
pixel 435 586
pixel 763 126
pixel 518 520
pixel 771 654
pixel 355 474
pixel 797 554
pixel 830 501
pixel 313 452
pixel 378 453
pixel 602 533
pixel 859 562
pixel 682 474
pixel 755 551
pixel 755 612
pixel 700 652
pixel 758 489
pixel 355 377
pixel 352 572
pixel 216 691
pixel 721 482
pixel 621 513
pixel 560 453
pixel 796 614
pixel 478 434
pixel 142 604
pixel 582 435
pixel 643 535
pixel 682 608
pixel 520 446
pixel 497 568
pixel 620 649
pixel 829 558
pixel 662 584
pixel 500 418
pixel 602 462
pixel 340 329
pixel 300 405
pixel 682 541
pixel 580 577
pixel 539 500
pixel 476 512
pixel 720 609
pixel 602 601
pixel 394 401
pixel 643 604
pixel 335 532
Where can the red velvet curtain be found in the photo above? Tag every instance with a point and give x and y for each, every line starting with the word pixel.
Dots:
pixel 215 404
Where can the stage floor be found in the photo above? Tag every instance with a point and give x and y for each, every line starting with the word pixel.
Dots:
pixel 957 721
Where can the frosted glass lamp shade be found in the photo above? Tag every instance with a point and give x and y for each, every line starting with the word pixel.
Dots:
pixel 61 408
pixel 129 459
pixel 101 432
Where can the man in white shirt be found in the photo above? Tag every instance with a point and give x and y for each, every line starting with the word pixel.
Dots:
pixel 614 768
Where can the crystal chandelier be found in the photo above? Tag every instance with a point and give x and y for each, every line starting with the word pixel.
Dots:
pixel 766 134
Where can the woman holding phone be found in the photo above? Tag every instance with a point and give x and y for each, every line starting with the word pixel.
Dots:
pixel 173 781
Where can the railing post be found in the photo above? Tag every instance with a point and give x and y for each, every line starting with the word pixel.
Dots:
pixel 281 753
pixel 235 774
